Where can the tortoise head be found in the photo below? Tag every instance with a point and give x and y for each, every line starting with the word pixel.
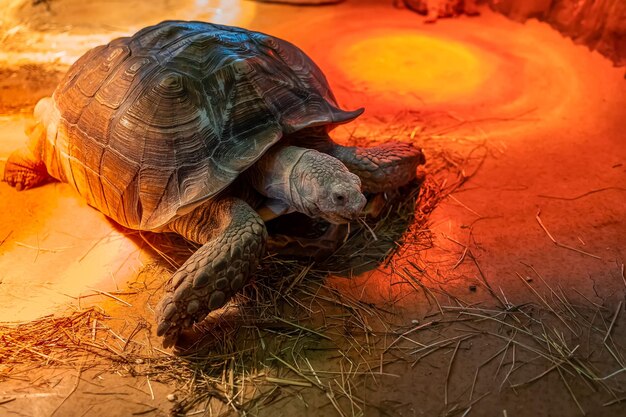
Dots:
pixel 324 188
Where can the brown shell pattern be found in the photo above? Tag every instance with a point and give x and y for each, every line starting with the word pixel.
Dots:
pixel 154 124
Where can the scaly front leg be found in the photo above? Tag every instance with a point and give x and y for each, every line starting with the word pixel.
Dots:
pixel 233 238
pixel 381 168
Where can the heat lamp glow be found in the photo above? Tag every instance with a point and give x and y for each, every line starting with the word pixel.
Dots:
pixel 434 69
pixel 59 253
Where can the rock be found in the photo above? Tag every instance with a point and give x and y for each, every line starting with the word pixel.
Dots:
pixel 599 24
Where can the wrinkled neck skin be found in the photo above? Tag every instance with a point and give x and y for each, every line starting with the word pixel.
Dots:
pixel 276 176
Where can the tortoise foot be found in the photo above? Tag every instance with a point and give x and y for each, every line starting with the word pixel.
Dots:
pixel 204 283
pixel 208 279
pixel 24 171
pixel 206 336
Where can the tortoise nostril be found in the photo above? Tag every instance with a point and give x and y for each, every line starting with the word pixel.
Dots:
pixel 339 198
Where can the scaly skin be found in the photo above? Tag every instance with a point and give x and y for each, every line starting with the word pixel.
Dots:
pixel 381 168
pixel 23 170
pixel 310 182
pixel 233 238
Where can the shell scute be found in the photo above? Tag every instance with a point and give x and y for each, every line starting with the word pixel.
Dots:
pixel 114 91
pixel 95 74
pixel 95 121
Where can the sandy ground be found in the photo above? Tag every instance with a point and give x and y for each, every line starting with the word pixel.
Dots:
pixel 545 116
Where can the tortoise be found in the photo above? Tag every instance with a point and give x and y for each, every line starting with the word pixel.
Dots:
pixel 207 131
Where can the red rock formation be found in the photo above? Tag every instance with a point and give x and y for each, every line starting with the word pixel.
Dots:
pixel 599 24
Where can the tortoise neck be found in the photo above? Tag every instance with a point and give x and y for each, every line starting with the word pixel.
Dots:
pixel 272 175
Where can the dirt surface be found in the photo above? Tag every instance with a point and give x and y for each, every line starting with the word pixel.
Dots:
pixel 534 122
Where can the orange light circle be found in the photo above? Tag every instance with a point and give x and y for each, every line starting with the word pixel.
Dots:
pixel 434 69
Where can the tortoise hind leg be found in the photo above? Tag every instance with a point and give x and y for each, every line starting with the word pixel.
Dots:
pixel 23 170
pixel 233 238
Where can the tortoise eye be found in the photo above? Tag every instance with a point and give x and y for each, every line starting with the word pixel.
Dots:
pixel 339 198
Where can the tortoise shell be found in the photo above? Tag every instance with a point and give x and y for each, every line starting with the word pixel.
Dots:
pixel 152 125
